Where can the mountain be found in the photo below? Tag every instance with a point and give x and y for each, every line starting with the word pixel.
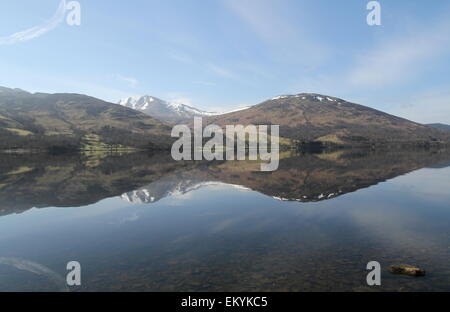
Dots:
pixel 307 117
pixel 162 110
pixel 74 121
pixel 68 121
pixel 440 126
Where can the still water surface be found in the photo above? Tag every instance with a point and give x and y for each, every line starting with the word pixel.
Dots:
pixel 146 223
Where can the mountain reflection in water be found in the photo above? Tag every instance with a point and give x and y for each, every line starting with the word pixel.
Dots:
pixel 311 225
pixel 28 181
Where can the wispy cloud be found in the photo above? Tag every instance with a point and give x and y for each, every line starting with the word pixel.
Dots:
pixel 262 17
pixel 402 58
pixel 186 59
pixel 398 61
pixel 181 57
pixel 38 30
pixel 220 71
pixel 206 83
pixel 131 81
pixel 288 38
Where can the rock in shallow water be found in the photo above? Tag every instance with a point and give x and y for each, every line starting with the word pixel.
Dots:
pixel 406 270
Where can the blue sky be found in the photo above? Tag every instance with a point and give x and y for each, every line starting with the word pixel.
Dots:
pixel 224 54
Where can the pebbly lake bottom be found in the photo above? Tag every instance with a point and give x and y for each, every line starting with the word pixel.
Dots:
pixel 220 236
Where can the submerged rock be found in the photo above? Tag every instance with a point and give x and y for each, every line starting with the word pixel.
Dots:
pixel 406 270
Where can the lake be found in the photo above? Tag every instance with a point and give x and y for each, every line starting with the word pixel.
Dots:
pixel 143 222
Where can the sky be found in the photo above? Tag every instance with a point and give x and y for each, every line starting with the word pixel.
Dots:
pixel 219 55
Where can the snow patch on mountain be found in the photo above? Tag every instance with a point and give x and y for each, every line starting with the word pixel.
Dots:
pixel 168 111
pixel 163 110
pixel 308 96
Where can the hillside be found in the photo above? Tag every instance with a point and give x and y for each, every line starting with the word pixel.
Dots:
pixel 313 117
pixel 74 121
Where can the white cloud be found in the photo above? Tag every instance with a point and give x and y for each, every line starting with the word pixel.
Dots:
pixel 133 82
pixel 38 30
pixel 220 71
pixel 393 62
pixel 289 39
pixel 181 57
pixel 401 58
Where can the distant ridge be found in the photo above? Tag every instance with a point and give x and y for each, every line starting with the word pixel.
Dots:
pixel 440 126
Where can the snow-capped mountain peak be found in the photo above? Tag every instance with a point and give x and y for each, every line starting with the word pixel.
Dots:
pixel 163 110
pixel 139 102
